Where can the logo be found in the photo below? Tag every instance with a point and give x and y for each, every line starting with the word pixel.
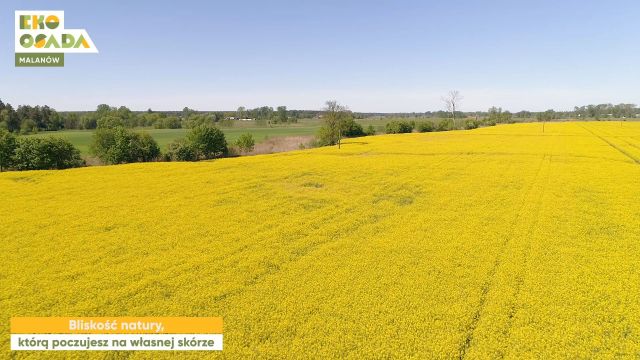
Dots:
pixel 42 39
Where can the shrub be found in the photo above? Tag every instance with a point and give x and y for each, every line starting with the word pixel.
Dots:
pixel 28 127
pixel 425 126
pixel 350 128
pixel 109 122
pixel 490 122
pixel 149 149
pixel 496 115
pixel 88 121
pixel 326 136
pixel 208 141
pixel 245 143
pixel 371 130
pixel 170 122
pixel 181 150
pixel 119 145
pixel 398 127
pixel 7 149
pixel 445 125
pixel 471 124
pixel 33 153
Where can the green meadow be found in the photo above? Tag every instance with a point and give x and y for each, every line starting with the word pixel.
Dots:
pixel 82 138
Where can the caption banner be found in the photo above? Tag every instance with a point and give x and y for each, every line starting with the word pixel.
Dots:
pixel 116 333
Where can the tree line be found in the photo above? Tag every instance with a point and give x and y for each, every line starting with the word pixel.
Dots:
pixel 115 145
pixel 27 119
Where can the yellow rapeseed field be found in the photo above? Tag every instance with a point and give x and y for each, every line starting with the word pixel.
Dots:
pixel 490 243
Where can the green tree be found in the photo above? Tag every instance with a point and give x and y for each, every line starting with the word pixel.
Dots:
pixel 186 112
pixel 7 149
pixel 281 114
pixel 34 153
pixel 371 130
pixel 334 117
pixel 241 113
pixel 209 141
pixel 181 150
pixel 109 122
pixel 88 121
pixel 547 115
pixel 5 119
pixel 246 143
pixel 120 145
pixel 170 122
pixel 497 116
pixel 28 126
pixel 71 121
pixel 148 147
pixel 350 128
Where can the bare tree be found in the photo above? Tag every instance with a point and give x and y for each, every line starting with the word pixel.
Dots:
pixel 334 116
pixel 452 100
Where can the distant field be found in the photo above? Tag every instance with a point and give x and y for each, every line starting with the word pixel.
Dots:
pixel 82 138
pixel 501 242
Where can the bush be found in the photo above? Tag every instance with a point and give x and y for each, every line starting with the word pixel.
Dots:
pixel 445 125
pixel 195 120
pixel 338 123
pixel 371 130
pixel 326 136
pixel 245 143
pixel 119 145
pixel 350 128
pixel 425 126
pixel 149 149
pixel 181 150
pixel 170 122
pixel 33 153
pixel 28 127
pixel 398 127
pixel 88 122
pixel 490 122
pixel 7 149
pixel 109 122
pixel 208 141
pixel 471 124
pixel 496 115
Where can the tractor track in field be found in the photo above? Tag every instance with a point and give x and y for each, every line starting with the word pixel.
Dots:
pixel 622 151
pixel 488 283
pixel 527 252
pixel 625 139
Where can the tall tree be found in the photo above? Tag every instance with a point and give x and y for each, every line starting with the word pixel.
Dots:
pixel 241 112
pixel 7 148
pixel 281 114
pixel 334 118
pixel 452 101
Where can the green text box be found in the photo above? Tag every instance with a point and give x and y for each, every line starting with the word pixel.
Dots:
pixel 32 60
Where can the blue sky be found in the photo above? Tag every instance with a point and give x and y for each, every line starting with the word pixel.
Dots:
pixel 386 56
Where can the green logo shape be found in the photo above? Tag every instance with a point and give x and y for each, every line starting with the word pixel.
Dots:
pixel 39 60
